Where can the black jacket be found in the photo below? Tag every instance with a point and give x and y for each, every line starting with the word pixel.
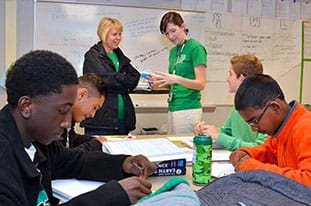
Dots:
pixel 20 179
pixel 96 61
pixel 84 142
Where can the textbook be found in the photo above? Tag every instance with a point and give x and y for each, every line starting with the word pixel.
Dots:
pixel 171 168
pixel 156 149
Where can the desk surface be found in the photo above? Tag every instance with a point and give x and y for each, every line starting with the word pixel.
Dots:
pixel 158 182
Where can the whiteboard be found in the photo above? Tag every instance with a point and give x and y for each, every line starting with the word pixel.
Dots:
pixel 276 42
pixel 306 94
pixel 70 29
pixel 306 83
pixel 307 40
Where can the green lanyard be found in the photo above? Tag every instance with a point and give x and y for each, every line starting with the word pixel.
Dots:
pixel 178 55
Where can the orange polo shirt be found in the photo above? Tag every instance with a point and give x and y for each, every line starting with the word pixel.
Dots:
pixel 288 152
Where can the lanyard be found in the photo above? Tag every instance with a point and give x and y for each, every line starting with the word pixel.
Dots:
pixel 177 59
pixel 178 55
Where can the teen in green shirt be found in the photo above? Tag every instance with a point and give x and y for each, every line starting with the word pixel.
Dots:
pixel 190 54
pixel 236 133
pixel 186 77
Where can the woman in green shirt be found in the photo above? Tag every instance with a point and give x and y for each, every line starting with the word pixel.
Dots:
pixel 236 133
pixel 186 76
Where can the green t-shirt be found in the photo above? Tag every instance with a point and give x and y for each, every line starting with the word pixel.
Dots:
pixel 121 107
pixel 182 61
pixel 236 133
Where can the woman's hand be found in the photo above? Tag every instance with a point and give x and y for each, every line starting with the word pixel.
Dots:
pixel 162 79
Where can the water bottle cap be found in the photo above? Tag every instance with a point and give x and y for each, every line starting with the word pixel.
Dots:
pixel 202 139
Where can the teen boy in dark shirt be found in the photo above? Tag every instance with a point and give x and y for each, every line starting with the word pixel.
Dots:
pixel 41 89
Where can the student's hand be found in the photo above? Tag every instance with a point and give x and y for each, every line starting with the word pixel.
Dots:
pixel 211 130
pixel 199 127
pixel 206 129
pixel 237 158
pixel 139 165
pixel 135 188
pixel 101 139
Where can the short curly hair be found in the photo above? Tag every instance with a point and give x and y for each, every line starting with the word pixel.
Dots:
pixel 94 84
pixel 38 73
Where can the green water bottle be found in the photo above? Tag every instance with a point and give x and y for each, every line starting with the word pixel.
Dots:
pixel 202 159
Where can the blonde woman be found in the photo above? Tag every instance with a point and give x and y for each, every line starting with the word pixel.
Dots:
pixel 117 115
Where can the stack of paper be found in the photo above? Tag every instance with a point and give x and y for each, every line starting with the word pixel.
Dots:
pixel 66 189
pixel 220 155
pixel 220 169
pixel 158 149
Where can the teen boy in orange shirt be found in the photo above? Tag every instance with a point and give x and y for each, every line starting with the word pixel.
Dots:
pixel 261 103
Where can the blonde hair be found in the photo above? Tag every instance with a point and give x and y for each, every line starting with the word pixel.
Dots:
pixel 105 25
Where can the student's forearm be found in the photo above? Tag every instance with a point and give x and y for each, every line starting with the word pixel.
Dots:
pixel 233 143
pixel 263 153
pixel 302 175
pixel 190 83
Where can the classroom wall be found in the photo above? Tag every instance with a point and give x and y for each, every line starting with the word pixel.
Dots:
pixel 150 119
pixel 10 32
pixel 158 120
pixel 275 41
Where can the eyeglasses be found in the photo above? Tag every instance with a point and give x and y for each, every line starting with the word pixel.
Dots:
pixel 255 122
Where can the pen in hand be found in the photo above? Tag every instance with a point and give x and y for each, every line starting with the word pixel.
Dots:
pixel 140 169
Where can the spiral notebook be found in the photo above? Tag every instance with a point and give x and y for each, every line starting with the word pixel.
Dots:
pixel 66 189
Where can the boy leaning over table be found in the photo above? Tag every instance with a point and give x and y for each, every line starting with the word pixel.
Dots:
pixel 287 151
pixel 91 95
pixel 41 89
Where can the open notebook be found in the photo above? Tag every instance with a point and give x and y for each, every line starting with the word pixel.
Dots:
pixel 66 189
pixel 157 149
